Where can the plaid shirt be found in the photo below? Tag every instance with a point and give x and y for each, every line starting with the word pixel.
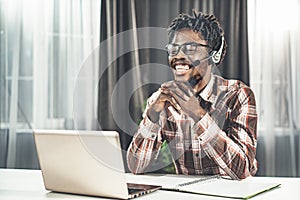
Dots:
pixel 222 142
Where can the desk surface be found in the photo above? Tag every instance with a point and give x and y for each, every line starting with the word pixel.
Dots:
pixel 28 184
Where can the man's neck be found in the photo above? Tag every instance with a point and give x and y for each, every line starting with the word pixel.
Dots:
pixel 202 84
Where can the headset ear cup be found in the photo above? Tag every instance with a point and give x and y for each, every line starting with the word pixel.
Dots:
pixel 216 55
pixel 211 60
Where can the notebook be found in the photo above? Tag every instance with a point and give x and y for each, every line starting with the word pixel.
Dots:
pixel 207 185
pixel 85 162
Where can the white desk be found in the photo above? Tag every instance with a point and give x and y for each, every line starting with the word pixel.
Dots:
pixel 28 184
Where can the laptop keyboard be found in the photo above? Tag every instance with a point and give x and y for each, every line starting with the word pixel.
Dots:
pixel 133 190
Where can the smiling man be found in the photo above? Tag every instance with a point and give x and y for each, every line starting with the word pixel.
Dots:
pixel 208 122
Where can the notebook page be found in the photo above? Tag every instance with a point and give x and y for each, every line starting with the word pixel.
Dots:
pixel 243 189
pixel 167 181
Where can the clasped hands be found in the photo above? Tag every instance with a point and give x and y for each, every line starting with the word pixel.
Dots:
pixel 181 96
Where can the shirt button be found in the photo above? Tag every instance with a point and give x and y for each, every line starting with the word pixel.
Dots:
pixel 153 136
pixel 197 154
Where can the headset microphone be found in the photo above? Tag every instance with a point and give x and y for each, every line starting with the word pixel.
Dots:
pixel 197 62
pixel 194 81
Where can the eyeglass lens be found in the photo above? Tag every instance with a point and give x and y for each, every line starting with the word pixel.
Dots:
pixel 187 48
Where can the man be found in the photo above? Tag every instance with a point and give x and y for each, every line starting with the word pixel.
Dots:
pixel 208 122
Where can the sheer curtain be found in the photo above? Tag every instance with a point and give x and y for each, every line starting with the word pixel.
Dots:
pixel 274 47
pixel 44 45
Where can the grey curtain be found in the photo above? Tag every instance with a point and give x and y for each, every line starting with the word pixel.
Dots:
pixel 118 17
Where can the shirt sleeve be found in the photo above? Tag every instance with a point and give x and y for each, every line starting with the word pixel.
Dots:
pixel 233 149
pixel 146 143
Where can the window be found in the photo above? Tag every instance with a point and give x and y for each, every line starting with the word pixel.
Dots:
pixel 43 45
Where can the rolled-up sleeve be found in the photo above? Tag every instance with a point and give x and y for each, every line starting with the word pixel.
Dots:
pixel 145 145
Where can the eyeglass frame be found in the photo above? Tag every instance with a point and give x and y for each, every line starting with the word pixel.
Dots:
pixel 181 46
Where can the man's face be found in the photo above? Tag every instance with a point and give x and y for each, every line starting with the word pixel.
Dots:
pixel 182 62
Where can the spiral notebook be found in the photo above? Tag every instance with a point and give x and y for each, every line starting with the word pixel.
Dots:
pixel 208 185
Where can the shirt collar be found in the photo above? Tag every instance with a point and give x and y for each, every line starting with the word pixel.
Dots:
pixel 207 93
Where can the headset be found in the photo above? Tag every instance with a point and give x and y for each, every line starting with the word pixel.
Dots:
pixel 214 55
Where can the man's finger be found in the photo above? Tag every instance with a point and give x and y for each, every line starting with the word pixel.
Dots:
pixel 171 100
pixel 185 87
pixel 176 92
pixel 168 84
pixel 177 86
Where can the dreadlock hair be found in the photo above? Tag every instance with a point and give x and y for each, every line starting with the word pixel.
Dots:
pixel 207 26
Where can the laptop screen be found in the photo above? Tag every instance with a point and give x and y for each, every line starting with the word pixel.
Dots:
pixel 82 162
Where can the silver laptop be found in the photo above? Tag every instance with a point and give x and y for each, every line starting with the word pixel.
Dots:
pixel 85 162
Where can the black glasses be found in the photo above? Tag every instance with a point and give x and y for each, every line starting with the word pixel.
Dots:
pixel 189 48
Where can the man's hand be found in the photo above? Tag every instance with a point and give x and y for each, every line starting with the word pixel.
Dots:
pixel 163 100
pixel 185 98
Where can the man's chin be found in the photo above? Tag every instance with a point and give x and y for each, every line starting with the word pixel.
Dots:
pixel 192 81
pixel 181 78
